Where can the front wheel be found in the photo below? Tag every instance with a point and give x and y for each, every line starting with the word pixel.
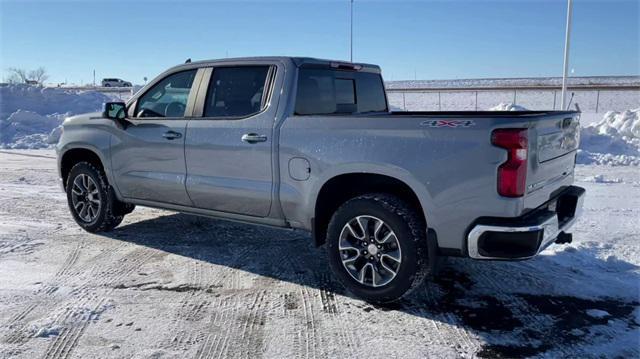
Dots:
pixel 377 247
pixel 91 201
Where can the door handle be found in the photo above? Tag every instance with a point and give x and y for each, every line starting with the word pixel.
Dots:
pixel 253 138
pixel 171 135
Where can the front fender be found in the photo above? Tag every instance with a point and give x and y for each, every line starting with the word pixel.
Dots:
pixel 94 136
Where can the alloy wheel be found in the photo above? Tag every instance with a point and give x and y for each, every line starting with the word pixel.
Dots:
pixel 85 198
pixel 370 251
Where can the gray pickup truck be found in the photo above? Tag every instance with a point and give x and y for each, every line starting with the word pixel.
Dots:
pixel 311 144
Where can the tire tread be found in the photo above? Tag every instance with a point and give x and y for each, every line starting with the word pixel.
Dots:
pixel 417 227
pixel 110 220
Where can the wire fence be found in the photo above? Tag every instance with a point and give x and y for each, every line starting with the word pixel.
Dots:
pixel 593 100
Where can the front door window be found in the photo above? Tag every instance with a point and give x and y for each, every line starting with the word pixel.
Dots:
pixel 167 98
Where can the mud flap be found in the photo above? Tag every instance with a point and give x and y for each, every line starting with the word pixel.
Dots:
pixel 436 261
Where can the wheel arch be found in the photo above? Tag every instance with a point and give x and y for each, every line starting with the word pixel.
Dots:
pixel 78 154
pixel 341 187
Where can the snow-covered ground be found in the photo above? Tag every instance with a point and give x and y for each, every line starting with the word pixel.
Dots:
pixel 168 285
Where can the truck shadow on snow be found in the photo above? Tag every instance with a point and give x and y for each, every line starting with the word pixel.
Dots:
pixel 507 305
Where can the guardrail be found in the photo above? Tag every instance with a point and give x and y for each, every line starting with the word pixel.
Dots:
pixel 97 88
pixel 621 87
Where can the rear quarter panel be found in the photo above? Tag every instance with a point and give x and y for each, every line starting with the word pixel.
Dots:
pixel 451 170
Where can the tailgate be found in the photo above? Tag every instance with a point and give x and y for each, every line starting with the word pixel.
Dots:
pixel 554 139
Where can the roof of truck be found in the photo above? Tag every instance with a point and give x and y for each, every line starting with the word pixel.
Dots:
pixel 298 61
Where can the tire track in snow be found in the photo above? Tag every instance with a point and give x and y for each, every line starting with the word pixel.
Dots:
pixel 66 341
pixel 312 340
pixel 252 331
pixel 72 326
pixel 18 336
pixel 306 341
pixel 447 331
pixel 21 314
pixel 22 334
pixel 233 335
pixel 71 259
pixel 195 306
pixel 331 307
pixel 228 328
pixel 24 246
pixel 190 311
pixel 291 308
pixel 86 272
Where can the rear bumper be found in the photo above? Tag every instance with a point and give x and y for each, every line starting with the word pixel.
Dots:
pixel 524 237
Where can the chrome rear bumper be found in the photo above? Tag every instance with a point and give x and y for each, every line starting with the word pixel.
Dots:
pixel 524 238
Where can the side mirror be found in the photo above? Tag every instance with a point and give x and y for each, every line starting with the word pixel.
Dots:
pixel 114 110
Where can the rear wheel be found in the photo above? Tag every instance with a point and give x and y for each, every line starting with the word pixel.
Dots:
pixel 91 200
pixel 377 247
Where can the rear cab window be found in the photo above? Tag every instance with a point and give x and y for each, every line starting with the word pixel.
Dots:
pixel 326 91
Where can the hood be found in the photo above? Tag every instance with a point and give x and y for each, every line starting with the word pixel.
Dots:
pixel 82 118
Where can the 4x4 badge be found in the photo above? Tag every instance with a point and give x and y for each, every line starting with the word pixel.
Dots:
pixel 448 123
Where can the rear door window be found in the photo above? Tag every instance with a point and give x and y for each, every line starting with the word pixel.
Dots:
pixel 236 91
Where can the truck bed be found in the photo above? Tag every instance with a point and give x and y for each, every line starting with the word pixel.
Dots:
pixel 480 113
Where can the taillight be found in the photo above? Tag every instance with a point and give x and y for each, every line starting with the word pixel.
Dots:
pixel 512 174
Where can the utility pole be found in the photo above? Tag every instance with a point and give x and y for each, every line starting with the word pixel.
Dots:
pixel 94 78
pixel 566 54
pixel 351 34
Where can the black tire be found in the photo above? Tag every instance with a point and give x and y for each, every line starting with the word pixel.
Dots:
pixel 410 231
pixel 110 211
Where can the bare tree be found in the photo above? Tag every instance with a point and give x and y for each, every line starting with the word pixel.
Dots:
pixel 39 75
pixel 17 75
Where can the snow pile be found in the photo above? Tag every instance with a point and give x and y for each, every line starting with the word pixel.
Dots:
pixel 28 130
pixel 599 178
pixel 625 124
pixel 28 114
pixel 598 313
pixel 615 140
pixel 508 107
pixel 45 332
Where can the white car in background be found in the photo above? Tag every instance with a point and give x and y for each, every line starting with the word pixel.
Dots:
pixel 115 83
